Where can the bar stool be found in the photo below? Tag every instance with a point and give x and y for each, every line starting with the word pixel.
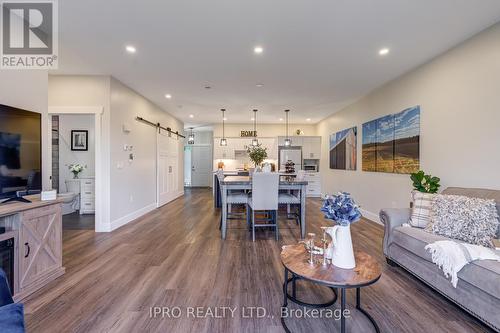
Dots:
pixel 264 197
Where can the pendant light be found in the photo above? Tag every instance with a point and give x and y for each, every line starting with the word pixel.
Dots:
pixel 288 141
pixel 191 137
pixel 255 142
pixel 223 141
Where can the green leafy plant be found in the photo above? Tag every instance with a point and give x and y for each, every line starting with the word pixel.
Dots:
pixel 257 154
pixel 425 183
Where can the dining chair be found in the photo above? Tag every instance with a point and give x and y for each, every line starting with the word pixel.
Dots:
pixel 290 198
pixel 264 197
pixel 232 198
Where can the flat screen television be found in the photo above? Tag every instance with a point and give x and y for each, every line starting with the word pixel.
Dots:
pixel 20 152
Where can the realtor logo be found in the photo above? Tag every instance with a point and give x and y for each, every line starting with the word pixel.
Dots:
pixel 29 34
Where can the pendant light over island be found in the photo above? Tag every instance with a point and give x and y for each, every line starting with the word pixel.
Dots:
pixel 255 142
pixel 223 140
pixel 288 141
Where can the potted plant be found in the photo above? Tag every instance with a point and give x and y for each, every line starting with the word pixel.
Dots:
pixel 257 154
pixel 76 169
pixel 425 183
pixel 343 210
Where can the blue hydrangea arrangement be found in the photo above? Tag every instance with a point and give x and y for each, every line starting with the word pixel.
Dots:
pixel 341 208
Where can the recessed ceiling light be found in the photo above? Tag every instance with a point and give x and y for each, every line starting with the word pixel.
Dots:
pixel 281 119
pixel 252 119
pixel 168 96
pixel 225 118
pixel 130 49
pixel 308 119
pixel 259 85
pixel 258 49
pixel 383 51
pixel 191 116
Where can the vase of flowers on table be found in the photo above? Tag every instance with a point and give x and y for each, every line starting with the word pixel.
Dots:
pixel 343 210
pixel 76 169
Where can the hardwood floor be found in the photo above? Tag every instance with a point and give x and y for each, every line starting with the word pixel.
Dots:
pixel 75 221
pixel 174 257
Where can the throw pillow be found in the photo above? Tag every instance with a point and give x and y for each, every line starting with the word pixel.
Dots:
pixel 471 220
pixel 420 214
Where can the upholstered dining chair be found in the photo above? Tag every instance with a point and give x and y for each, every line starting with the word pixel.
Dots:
pixel 232 198
pixel 264 197
pixel 290 198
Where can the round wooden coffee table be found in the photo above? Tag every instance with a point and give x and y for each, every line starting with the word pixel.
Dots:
pixel 295 259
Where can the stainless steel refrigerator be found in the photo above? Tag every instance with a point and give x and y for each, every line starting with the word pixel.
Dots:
pixel 293 154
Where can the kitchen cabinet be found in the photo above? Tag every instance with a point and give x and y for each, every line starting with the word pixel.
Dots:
pixel 313 184
pixel 241 144
pixel 311 147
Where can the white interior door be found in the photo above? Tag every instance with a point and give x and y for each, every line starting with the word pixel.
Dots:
pixel 201 166
pixel 167 169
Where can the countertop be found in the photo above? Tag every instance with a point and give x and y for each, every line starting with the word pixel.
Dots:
pixel 245 180
pixel 16 206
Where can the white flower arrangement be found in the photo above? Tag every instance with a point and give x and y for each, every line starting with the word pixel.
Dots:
pixel 76 169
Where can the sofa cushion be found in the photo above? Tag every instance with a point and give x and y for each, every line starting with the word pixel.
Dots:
pixel 473 220
pixel 477 193
pixel 483 274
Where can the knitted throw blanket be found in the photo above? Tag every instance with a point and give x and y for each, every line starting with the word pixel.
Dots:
pixel 451 257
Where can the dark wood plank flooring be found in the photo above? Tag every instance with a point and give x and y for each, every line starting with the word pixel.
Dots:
pixel 174 257
pixel 75 221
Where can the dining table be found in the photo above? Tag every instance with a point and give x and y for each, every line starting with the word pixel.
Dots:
pixel 245 183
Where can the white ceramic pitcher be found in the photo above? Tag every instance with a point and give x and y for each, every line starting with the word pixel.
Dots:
pixel 340 249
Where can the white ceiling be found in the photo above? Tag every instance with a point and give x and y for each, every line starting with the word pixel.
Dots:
pixel 318 55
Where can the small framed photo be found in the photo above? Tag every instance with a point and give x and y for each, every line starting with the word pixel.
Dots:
pixel 79 140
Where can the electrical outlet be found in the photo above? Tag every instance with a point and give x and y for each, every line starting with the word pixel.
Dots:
pixel 131 198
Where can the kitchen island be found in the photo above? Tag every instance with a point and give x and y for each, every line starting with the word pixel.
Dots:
pixel 245 183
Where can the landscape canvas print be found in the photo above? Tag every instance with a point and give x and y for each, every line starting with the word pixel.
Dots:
pixel 343 152
pixel 392 143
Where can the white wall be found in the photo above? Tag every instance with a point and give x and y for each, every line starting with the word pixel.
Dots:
pixel 67 123
pixel 26 89
pixel 263 130
pixel 459 95
pixel 133 187
pixel 75 91
pixel 136 180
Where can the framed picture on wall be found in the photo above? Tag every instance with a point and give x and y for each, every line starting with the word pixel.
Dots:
pixel 79 140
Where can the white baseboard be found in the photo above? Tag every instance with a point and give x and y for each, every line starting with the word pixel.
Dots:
pixel 371 216
pixel 138 213
pixel 132 216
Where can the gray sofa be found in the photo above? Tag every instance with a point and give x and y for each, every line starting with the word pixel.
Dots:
pixel 478 289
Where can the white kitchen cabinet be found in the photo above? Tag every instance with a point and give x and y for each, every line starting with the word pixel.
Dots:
pixel 313 184
pixel 224 152
pixel 311 148
pixel 297 141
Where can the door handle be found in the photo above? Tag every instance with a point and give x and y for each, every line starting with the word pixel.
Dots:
pixel 192 168
pixel 28 247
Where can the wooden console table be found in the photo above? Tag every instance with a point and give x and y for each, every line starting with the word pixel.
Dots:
pixel 37 231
